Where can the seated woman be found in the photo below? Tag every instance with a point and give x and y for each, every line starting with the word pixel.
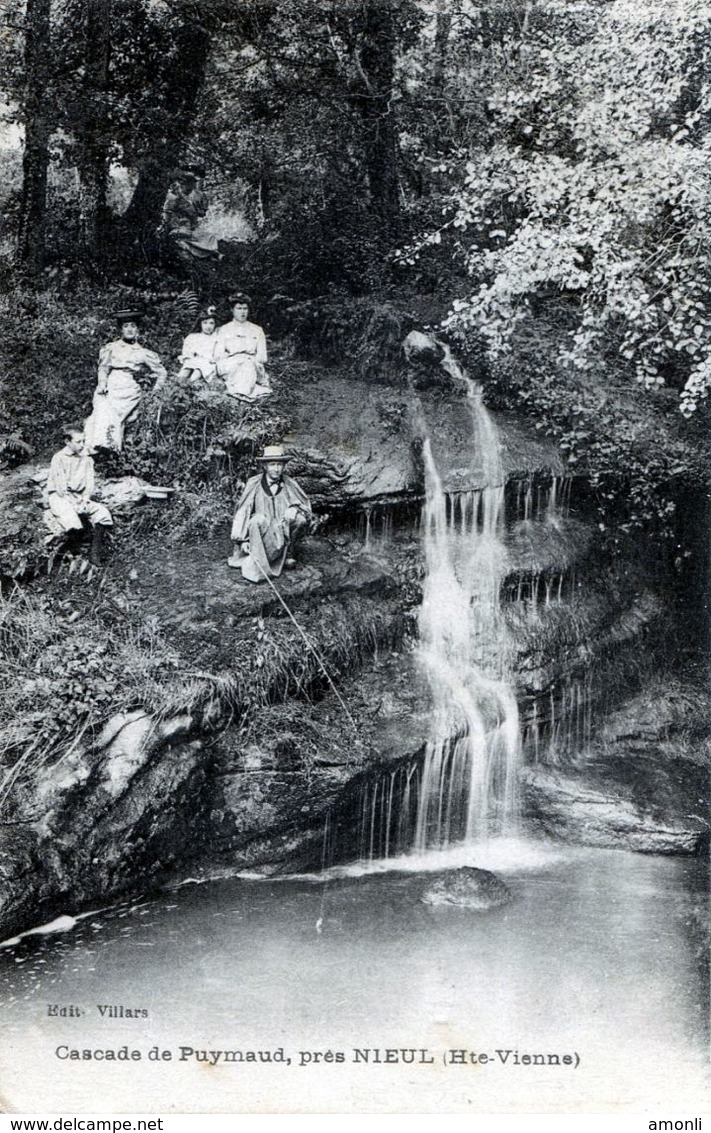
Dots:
pixel 197 358
pixel 241 353
pixel 184 208
pixel 117 392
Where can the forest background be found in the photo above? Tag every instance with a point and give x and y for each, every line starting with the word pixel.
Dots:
pixel 528 176
pixel 537 172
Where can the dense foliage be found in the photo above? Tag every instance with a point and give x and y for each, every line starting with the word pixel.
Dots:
pixel 587 189
pixel 538 169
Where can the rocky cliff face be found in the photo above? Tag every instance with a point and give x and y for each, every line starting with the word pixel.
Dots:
pixel 103 819
pixel 281 786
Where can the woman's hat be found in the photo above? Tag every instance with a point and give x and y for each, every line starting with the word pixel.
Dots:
pixel 130 315
pixel 273 453
pixel 238 297
pixel 205 313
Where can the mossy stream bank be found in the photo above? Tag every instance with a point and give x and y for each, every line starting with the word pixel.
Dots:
pixel 256 762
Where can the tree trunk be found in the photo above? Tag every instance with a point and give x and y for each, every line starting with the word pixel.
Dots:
pixel 38 130
pixel 94 140
pixel 444 124
pixel 377 60
pixel 264 196
pixel 443 24
pixel 184 82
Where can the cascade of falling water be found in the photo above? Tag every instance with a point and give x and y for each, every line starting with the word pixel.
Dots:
pixel 466 788
pixel 386 524
pixel 373 813
pixel 366 542
pixel 535 730
pixel 567 488
pixel 519 495
pixel 528 502
pixel 387 805
pixel 558 503
pixel 389 812
pixel 378 521
pixel 588 708
pixel 470 775
pixel 535 591
pixel 552 505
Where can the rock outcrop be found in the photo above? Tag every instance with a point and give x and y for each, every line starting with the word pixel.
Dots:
pixel 103 819
pixel 467 888
pixel 356 444
pixel 281 784
pixel 591 807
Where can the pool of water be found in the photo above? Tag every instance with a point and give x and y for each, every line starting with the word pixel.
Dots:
pixel 597 960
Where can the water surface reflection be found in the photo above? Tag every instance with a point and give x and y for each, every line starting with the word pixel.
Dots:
pixel 599 953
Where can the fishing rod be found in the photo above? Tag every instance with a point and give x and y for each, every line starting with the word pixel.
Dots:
pixel 309 645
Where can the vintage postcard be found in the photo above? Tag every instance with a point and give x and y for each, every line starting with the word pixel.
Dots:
pixel 353 537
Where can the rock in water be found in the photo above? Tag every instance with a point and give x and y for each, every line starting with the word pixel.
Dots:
pixel 467 888
pixel 423 348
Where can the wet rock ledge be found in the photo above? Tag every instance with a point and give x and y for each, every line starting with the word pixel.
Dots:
pixel 154 797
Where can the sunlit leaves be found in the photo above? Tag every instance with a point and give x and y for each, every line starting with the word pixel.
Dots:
pixel 593 184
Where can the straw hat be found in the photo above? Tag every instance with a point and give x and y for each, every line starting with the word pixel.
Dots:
pixel 273 453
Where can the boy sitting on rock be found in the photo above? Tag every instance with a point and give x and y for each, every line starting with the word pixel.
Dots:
pixel 70 487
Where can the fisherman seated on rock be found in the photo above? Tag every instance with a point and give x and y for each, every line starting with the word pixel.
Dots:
pixel 70 487
pixel 241 353
pixel 272 513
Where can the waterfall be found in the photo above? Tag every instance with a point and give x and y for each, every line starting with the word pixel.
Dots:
pixel 377 525
pixel 464 789
pixel 366 542
pixel 469 781
pixel 533 500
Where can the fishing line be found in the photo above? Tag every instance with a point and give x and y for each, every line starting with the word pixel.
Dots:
pixel 310 646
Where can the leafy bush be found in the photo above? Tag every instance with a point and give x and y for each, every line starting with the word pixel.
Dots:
pixel 636 454
pixel 600 201
pixel 363 336
pixel 183 437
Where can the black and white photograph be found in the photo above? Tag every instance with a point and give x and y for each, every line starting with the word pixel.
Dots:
pixel 354 557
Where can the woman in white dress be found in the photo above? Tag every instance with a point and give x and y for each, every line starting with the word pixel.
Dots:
pixel 241 353
pixel 197 358
pixel 117 392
